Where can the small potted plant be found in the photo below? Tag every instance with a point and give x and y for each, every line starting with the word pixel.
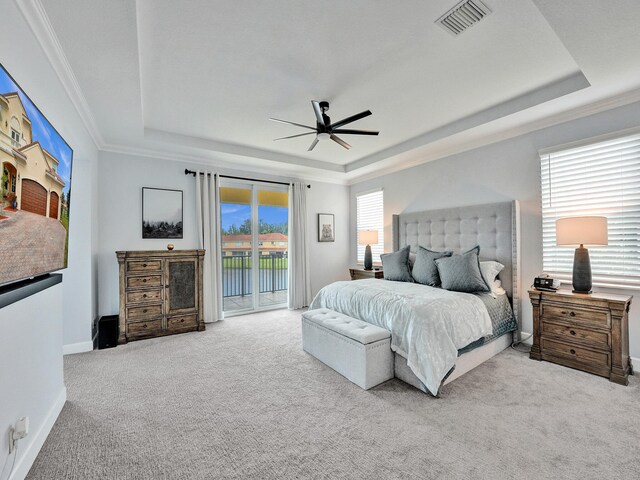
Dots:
pixel 12 200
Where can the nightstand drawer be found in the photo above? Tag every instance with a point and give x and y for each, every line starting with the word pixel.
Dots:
pixel 595 338
pixel 143 265
pixel 147 281
pixel 145 328
pixel 144 311
pixel 144 296
pixel 575 353
pixel 576 315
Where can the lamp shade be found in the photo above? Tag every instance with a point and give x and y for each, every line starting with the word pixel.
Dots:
pixel 574 231
pixel 368 237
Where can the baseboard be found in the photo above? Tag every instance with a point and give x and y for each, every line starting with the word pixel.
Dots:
pixel 24 463
pixel 635 363
pixel 77 348
pixel 528 336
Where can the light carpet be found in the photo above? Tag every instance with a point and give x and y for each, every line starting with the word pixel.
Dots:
pixel 242 400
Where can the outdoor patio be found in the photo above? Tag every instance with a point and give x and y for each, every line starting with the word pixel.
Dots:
pixel 268 299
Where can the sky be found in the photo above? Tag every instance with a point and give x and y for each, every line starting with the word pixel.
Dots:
pixel 162 206
pixel 234 214
pixel 42 131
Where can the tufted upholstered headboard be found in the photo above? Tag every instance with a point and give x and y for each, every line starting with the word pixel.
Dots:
pixel 495 227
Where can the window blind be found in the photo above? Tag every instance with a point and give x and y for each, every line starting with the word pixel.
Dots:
pixel 600 178
pixel 370 216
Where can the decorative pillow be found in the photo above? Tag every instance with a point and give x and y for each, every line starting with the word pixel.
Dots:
pixel 395 266
pixel 424 269
pixel 490 270
pixel 461 273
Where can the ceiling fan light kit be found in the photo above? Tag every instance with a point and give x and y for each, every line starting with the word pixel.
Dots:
pixel 324 129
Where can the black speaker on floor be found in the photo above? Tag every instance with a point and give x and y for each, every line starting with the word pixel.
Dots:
pixel 108 331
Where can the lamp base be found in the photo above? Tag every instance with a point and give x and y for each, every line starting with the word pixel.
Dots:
pixel 581 271
pixel 368 261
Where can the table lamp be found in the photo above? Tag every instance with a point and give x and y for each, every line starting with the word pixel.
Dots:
pixel 581 231
pixel 368 237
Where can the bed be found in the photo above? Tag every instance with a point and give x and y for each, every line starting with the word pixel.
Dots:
pixel 438 335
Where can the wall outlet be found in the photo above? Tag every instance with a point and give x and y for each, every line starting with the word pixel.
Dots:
pixel 18 432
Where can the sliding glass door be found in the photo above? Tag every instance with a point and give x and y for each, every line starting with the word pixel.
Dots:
pixel 255 244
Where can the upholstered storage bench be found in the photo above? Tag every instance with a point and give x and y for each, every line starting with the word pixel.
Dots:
pixel 356 349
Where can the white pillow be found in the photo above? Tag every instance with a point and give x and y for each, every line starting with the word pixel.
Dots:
pixel 490 271
pixel 496 288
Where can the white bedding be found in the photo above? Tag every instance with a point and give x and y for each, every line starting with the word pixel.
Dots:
pixel 428 325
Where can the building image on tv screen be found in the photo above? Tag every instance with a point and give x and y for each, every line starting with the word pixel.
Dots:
pixel 35 188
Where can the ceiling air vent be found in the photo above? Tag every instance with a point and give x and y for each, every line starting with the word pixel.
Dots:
pixel 464 15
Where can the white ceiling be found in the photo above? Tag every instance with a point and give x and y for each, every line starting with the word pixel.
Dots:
pixel 199 79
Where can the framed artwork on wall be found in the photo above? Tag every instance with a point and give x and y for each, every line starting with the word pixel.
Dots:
pixel 326 227
pixel 161 213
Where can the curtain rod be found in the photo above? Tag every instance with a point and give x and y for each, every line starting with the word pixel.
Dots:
pixel 191 172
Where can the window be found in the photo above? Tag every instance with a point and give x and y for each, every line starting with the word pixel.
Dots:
pixel 601 177
pixel 370 216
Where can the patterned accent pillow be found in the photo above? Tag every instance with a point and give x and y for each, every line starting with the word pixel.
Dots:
pixel 490 270
pixel 461 273
pixel 425 270
pixel 395 266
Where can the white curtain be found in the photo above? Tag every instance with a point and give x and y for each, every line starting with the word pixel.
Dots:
pixel 208 215
pixel 299 274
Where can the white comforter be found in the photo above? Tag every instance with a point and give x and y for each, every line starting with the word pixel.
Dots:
pixel 428 325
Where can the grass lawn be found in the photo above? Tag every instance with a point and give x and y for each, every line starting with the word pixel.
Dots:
pixel 265 263
pixel 64 219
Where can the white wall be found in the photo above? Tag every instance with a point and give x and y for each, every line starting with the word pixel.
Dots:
pixel 31 378
pixel 499 172
pixel 120 181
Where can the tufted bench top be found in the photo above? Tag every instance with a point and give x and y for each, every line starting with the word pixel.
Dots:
pixel 353 328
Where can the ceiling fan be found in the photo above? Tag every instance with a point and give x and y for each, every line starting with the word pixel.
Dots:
pixel 325 129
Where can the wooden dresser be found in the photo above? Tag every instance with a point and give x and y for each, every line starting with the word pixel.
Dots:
pixel 160 293
pixel 589 332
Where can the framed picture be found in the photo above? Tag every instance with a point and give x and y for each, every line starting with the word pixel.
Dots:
pixel 161 213
pixel 326 227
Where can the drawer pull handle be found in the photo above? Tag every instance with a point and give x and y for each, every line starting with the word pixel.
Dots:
pixel 573 352
pixel 572 332
pixel 144 326
pixel 144 311
pixel 573 314
pixel 182 320
pixel 144 264
pixel 144 280
pixel 144 296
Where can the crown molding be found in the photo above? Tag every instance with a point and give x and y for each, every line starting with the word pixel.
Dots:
pixel 37 19
pixel 576 113
pixel 209 162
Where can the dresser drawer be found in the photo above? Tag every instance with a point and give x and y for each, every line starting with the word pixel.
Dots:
pixel 144 281
pixel 596 338
pixel 576 315
pixel 144 265
pixel 147 327
pixel 575 353
pixel 182 322
pixel 144 296
pixel 144 311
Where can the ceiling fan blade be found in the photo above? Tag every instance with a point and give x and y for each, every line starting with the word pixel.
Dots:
pixel 292 123
pixel 318 112
pixel 340 141
pixel 350 119
pixel 294 136
pixel 346 131
pixel 313 144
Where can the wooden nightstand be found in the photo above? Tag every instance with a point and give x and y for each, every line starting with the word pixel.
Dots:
pixel 587 332
pixel 360 273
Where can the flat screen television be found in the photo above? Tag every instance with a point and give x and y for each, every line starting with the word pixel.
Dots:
pixel 35 189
